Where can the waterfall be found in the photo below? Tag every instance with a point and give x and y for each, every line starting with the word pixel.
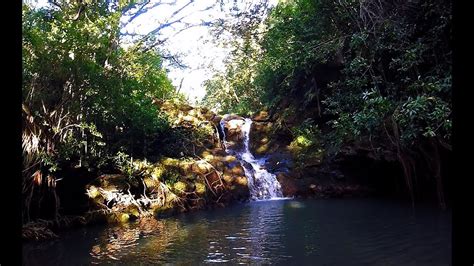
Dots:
pixel 261 183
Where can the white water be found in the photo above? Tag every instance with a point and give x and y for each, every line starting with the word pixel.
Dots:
pixel 262 184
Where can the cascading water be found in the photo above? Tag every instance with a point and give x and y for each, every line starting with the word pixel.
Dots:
pixel 262 184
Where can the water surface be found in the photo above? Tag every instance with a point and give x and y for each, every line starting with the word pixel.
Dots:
pixel 290 232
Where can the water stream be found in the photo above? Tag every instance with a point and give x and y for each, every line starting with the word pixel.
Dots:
pixel 263 185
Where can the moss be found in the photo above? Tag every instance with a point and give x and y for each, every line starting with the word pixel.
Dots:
pixel 158 172
pixel 303 141
pixel 262 149
pixel 242 180
pixel 237 170
pixel 180 186
pixel 205 153
pixel 93 192
pixel 208 157
pixel 228 178
pixel 170 162
pixel 230 158
pixel 124 217
pixel 201 168
pixel 185 168
pixel 151 182
pixel 200 188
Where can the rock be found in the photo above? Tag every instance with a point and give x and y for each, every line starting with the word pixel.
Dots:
pixel 201 168
pixel 230 158
pixel 262 116
pixel 180 186
pixel 239 188
pixel 200 188
pixel 216 119
pixel 241 180
pixel 228 178
pixel 236 170
pixel 124 217
pixel 289 187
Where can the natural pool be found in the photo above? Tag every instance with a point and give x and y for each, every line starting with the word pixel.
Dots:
pixel 296 232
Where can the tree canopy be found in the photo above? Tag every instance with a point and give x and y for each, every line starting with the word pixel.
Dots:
pixel 370 72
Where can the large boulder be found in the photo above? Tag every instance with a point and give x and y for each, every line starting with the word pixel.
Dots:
pixel 232 126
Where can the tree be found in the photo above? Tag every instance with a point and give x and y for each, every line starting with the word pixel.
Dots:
pixel 81 90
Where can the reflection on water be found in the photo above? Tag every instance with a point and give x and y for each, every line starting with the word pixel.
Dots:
pixel 252 236
pixel 323 232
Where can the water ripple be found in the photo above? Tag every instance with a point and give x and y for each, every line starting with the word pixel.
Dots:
pixel 324 232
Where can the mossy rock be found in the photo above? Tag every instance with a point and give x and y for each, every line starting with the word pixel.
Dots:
pixel 262 149
pixel 170 162
pixel 206 153
pixel 185 168
pixel 241 180
pixel 228 178
pixel 208 157
pixel 151 182
pixel 239 188
pixel 200 188
pixel 201 168
pixel 180 186
pixel 158 171
pixel 190 177
pixel 230 159
pixel 96 217
pixel 236 170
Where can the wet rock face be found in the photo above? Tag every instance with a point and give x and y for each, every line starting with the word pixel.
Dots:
pixel 264 142
pixel 289 187
pixel 234 136
pixel 260 138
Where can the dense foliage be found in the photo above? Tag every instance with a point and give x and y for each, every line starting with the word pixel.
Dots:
pixel 84 97
pixel 375 73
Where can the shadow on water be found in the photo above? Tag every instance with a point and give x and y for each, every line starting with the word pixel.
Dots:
pixel 304 232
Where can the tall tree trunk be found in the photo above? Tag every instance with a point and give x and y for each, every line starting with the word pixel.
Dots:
pixel 404 161
pixel 437 174
pixel 433 161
